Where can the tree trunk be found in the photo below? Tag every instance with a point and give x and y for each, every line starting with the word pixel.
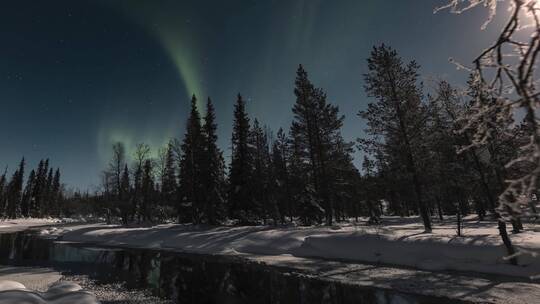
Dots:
pixel 439 209
pixel 506 241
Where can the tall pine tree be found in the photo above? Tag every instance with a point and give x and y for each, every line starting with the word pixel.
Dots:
pixel 212 169
pixel 398 116
pixel 240 194
pixel 27 196
pixel 316 132
pixel 169 182
pixel 3 192
pixel 14 194
pixel 190 167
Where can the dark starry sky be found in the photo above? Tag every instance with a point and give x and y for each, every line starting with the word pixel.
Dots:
pixel 76 76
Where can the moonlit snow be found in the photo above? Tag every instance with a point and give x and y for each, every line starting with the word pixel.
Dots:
pixel 12 292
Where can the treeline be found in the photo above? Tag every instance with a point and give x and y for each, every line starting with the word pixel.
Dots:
pixel 413 163
pixel 40 196
pixel 304 174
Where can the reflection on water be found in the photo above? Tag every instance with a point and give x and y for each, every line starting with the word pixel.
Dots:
pixel 188 278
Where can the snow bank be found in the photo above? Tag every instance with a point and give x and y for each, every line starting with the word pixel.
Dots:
pixel 398 242
pixel 427 253
pixel 20 224
pixel 60 293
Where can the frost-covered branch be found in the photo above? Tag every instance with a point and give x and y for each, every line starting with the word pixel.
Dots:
pixel 506 72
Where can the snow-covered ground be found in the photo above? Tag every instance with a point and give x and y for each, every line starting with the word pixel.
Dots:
pixel 25 223
pixel 399 241
pixel 12 292
pixel 14 225
pixel 38 279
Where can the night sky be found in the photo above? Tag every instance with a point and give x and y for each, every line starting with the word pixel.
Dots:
pixel 76 76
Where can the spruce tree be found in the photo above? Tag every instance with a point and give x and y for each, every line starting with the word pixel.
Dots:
pixel 169 183
pixel 37 190
pixel 27 196
pixel 212 169
pixel 14 195
pixel 316 130
pixel 190 167
pixel 240 174
pixel 48 194
pixel 263 205
pixel 3 193
pixel 56 194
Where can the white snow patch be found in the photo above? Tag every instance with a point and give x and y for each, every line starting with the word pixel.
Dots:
pixel 12 292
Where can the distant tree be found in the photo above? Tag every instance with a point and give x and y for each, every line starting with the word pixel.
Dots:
pixel 27 195
pixel 3 192
pixel 116 166
pixel 240 174
pixel 47 196
pixel 56 194
pixel 141 155
pixel 125 196
pixel 14 194
pixel 148 192
pixel 38 191
pixel 169 184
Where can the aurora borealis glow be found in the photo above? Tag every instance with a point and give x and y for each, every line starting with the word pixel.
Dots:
pixel 76 76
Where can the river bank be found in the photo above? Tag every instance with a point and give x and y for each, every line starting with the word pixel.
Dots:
pixel 183 253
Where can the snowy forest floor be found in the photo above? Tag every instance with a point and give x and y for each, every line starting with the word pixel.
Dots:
pixel 397 241
pixel 395 255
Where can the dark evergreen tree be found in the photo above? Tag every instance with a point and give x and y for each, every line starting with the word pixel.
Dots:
pixel 397 119
pixel 142 153
pixel 56 194
pixel 169 184
pixel 280 176
pixel 125 196
pixel 47 196
pixel 35 201
pixel 264 205
pixel 116 166
pixel 14 193
pixel 316 133
pixel 190 181
pixel 148 192
pixel 27 195
pixel 370 190
pixel 240 174
pixel 212 170
pixel 3 193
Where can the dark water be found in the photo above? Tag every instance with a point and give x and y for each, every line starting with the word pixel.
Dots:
pixel 189 278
